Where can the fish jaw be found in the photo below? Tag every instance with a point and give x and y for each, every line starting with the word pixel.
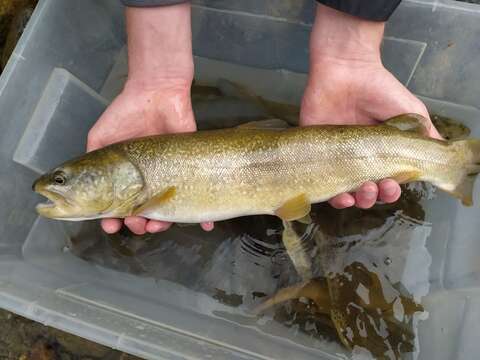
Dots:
pixel 56 207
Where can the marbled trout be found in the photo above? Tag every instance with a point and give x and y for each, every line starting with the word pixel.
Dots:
pixel 257 168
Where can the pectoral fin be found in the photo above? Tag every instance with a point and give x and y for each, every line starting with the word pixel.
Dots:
pixel 294 209
pixel 410 122
pixel 270 124
pixel 156 201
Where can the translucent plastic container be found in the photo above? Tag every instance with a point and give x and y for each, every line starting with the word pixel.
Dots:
pixel 70 63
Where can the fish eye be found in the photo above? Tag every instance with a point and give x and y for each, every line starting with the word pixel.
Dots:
pixel 59 178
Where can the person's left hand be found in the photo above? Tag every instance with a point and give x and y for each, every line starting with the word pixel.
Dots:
pixel 349 92
pixel 348 84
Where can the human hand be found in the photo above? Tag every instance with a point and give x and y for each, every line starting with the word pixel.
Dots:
pixel 156 96
pixel 139 112
pixel 348 84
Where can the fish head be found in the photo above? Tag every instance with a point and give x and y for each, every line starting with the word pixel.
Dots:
pixel 99 184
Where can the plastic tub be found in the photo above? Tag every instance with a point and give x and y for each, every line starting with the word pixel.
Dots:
pixel 68 65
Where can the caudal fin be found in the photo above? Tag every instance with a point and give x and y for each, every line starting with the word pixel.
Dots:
pixel 470 150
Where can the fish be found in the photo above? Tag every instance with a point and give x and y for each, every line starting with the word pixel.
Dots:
pixel 254 169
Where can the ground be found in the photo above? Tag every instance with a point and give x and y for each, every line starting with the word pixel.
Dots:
pixel 22 339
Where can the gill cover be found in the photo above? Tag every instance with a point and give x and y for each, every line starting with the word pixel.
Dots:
pixel 128 183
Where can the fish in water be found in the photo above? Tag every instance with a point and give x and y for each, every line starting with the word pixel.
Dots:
pixel 261 168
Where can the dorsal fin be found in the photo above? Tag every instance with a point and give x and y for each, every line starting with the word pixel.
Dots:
pixel 410 122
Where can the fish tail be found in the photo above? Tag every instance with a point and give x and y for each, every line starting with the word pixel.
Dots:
pixel 470 168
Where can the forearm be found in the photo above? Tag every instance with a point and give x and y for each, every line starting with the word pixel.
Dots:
pixel 159 45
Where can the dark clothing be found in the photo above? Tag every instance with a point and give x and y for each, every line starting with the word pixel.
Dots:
pixel 376 10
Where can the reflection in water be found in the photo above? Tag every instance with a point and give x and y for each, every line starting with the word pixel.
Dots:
pixel 450 128
pixel 361 292
pixel 358 295
pixel 362 275
pixel 354 304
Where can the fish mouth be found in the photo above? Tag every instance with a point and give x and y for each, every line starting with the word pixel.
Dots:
pixel 55 206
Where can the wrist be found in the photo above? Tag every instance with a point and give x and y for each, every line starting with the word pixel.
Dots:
pixel 166 88
pixel 165 108
pixel 179 85
pixel 341 38
pixel 159 45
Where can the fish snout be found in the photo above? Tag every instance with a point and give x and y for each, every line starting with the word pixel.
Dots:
pixel 34 185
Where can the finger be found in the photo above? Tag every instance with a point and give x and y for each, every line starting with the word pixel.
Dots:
pixel 366 195
pixel 389 190
pixel 154 226
pixel 136 224
pixel 342 201
pixel 111 226
pixel 207 226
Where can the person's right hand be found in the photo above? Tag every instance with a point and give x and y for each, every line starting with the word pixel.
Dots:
pixel 156 96
pixel 138 112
